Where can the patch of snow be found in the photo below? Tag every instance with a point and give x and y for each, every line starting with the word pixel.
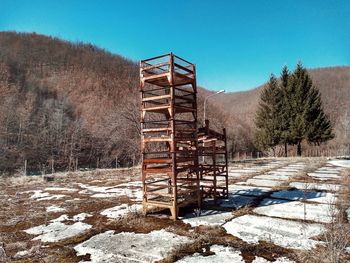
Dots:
pixel 130 247
pixel 51 197
pixel 278 260
pixel 131 184
pixel 207 217
pixel 348 214
pixel 39 195
pixel 21 254
pixel 54 209
pixel 114 191
pixel 222 255
pixel 284 233
pixel 120 210
pixel 62 189
pixel 80 217
pixel 56 231
pixel 61 218
pixel 322 213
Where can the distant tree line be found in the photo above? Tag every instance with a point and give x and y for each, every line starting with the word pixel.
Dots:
pixel 290 112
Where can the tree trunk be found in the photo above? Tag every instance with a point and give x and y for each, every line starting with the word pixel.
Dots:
pixel 299 149
pixel 285 149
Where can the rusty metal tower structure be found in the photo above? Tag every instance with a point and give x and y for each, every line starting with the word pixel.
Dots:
pixel 169 141
pixel 213 172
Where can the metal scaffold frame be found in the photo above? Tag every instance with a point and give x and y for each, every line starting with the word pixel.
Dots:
pixel 169 142
pixel 213 170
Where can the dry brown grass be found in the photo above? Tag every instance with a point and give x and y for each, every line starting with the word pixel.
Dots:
pixel 337 236
pixel 205 236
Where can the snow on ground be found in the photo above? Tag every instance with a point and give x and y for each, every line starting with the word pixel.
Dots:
pixel 284 233
pixel 348 214
pixel 129 246
pixel 315 186
pixel 298 195
pixel 56 230
pixel 54 209
pixel 121 210
pixel 113 191
pixel 61 189
pixel 322 213
pixel 341 163
pixel 40 195
pixel 207 217
pixel 279 260
pixel 131 184
pixel 237 189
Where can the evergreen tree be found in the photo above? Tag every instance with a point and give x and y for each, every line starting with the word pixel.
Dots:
pixel 307 120
pixel 320 128
pixel 285 108
pixel 267 120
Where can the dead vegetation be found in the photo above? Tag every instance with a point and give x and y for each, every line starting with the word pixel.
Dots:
pixel 206 236
pixel 337 236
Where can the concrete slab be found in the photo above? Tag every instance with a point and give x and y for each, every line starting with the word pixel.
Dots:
pixel 327 171
pixel 260 182
pixel 207 217
pixel 299 195
pixel 237 189
pixel 324 176
pixel 282 173
pixel 322 213
pixel 284 233
pixel 235 175
pixel 237 201
pixel 341 163
pixel 278 177
pixel 315 186
pixel 130 247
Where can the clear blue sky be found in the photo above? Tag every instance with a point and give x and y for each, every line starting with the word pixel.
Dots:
pixel 235 44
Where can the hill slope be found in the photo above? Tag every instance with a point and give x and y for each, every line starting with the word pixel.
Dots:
pixel 78 105
pixel 334 86
pixel 72 103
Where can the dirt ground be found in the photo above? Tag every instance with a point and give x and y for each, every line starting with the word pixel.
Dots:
pixel 83 216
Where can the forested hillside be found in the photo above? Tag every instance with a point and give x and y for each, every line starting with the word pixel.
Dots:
pixel 78 105
pixel 75 104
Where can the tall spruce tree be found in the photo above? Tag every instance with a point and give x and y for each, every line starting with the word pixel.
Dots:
pixel 307 120
pixel 285 108
pixel 267 120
